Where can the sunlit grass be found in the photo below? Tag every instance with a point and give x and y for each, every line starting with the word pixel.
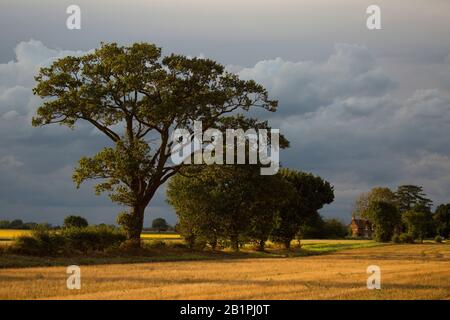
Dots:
pixel 324 246
pixel 407 272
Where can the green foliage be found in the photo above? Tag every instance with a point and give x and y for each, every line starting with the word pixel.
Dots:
pixel 75 222
pixel 396 238
pixel 67 241
pixel 196 202
pixel 136 97
pixel 155 244
pixel 409 196
pixel 40 242
pixel 386 219
pixel 160 224
pixel 406 238
pixel 366 199
pixel 271 194
pixel 318 228
pixel 310 193
pixel 442 220
pixel 17 224
pixel 438 239
pixel 218 202
pixel 334 229
pixel 418 221
pixel 313 228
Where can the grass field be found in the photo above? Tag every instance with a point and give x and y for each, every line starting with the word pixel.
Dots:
pixel 407 272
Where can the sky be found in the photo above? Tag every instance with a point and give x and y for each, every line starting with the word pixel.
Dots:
pixel 361 108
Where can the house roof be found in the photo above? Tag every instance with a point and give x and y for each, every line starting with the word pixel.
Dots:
pixel 361 223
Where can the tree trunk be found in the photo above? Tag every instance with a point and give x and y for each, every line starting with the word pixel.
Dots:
pixel 135 232
pixel 213 243
pixel 133 223
pixel 261 245
pixel 287 244
pixel 235 243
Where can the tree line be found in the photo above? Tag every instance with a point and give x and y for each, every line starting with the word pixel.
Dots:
pixel 403 215
pixel 17 224
pixel 229 205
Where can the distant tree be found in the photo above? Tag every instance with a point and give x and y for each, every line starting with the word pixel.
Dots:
pixel 442 220
pixel 160 224
pixel 366 199
pixel 30 225
pixel 419 221
pixel 310 194
pixel 75 222
pixel 334 229
pixel 4 224
pixel 16 224
pixel 318 228
pixel 45 226
pixel 386 219
pixel 408 196
pixel 136 98
pixel 416 223
pixel 313 228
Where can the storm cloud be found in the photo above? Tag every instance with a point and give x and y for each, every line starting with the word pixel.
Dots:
pixel 341 114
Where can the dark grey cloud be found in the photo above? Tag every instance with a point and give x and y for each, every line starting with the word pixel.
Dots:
pixel 36 164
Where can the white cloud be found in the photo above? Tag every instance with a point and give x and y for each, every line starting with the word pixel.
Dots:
pixel 304 86
pixel 10 162
pixel 30 56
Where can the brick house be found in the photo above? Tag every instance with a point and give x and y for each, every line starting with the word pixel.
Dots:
pixel 361 228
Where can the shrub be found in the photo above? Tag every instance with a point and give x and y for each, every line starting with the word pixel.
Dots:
pixel 396 238
pixel 96 238
pixel 178 245
pixel 67 241
pixel 40 242
pixel 438 239
pixel 156 244
pixel 200 244
pixel 406 238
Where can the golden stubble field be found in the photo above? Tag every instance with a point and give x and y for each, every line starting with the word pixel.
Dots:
pixel 407 272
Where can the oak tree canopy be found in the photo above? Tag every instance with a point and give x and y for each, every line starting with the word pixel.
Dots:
pixel 136 98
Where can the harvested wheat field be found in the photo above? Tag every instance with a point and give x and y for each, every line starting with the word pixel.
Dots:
pixel 407 272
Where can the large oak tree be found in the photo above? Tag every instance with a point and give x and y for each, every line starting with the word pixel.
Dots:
pixel 136 98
